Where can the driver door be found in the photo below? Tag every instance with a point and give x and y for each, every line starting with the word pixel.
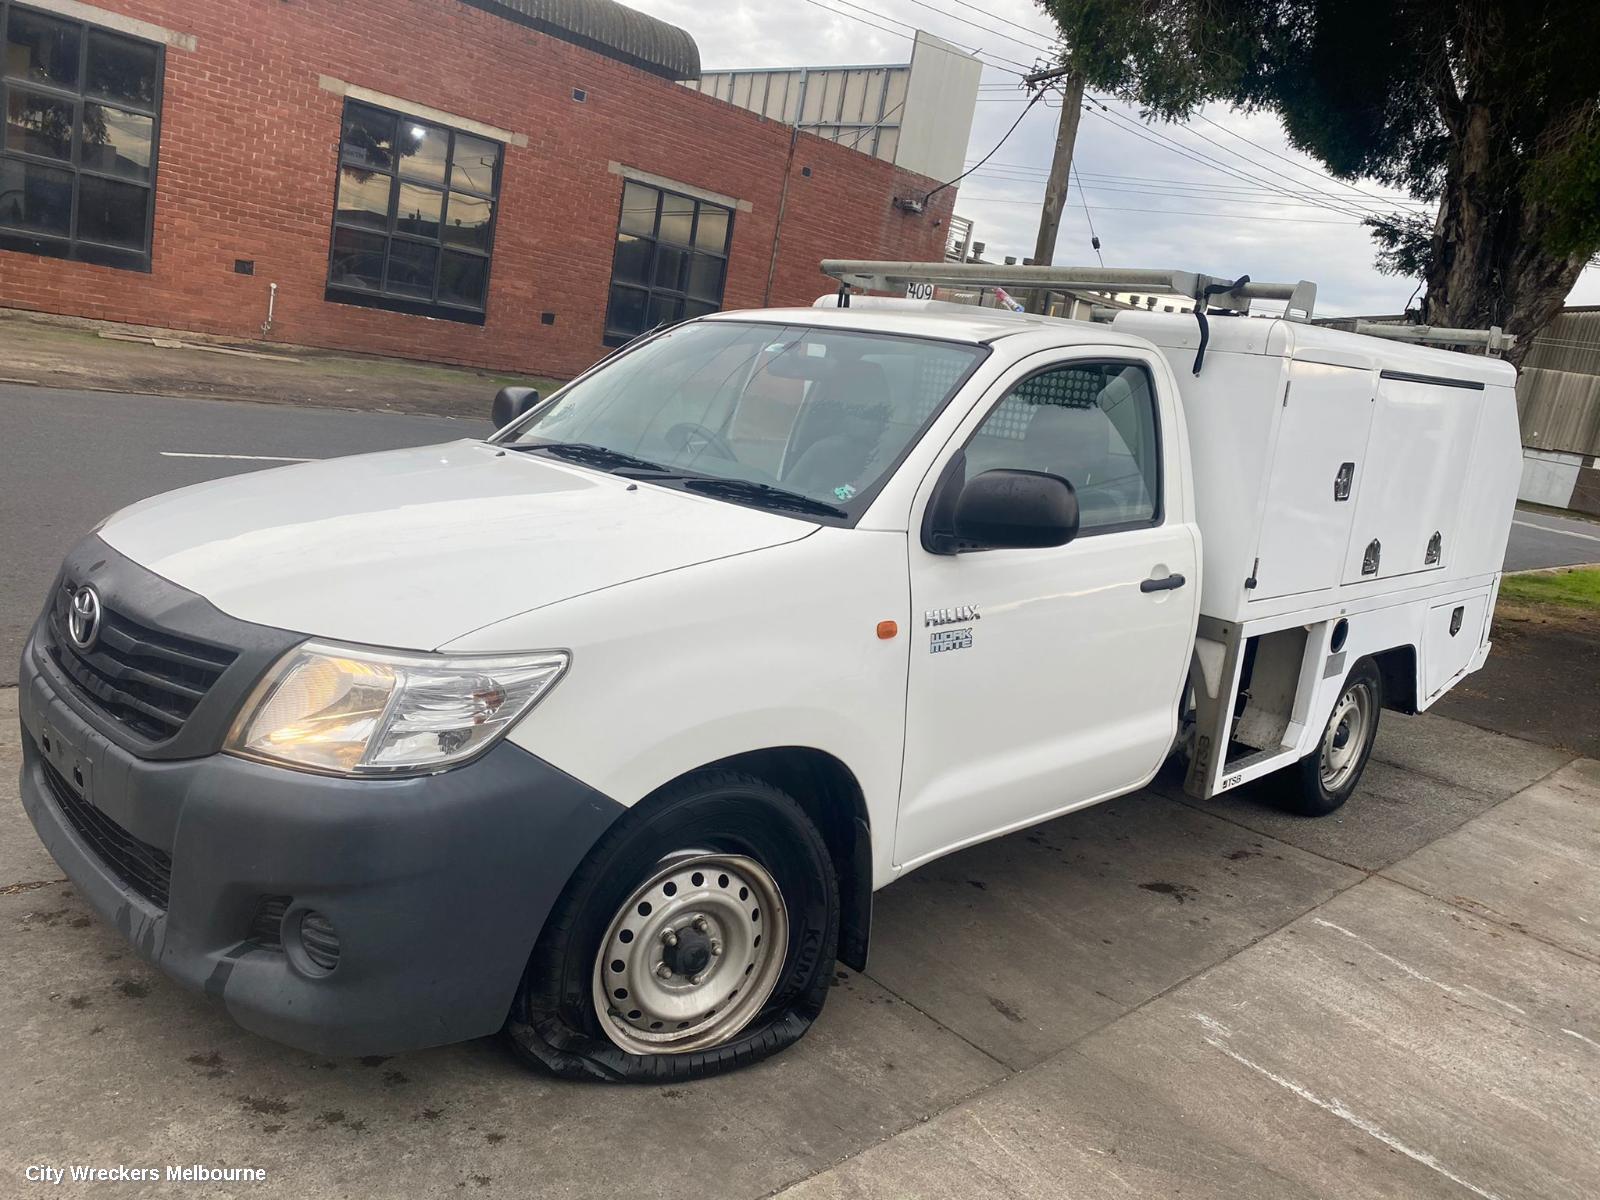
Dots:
pixel 1044 679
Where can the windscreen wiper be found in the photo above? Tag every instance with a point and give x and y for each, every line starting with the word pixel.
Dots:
pixel 762 495
pixel 589 455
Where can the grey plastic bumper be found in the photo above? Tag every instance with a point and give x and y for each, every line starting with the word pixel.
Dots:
pixel 437 886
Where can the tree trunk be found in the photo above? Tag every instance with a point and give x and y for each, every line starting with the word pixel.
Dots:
pixel 1488 267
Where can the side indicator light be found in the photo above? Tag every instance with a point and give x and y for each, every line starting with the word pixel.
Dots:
pixel 887 630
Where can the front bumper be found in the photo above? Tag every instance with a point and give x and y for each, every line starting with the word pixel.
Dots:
pixel 437 886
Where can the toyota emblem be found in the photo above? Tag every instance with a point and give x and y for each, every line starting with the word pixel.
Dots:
pixel 83 618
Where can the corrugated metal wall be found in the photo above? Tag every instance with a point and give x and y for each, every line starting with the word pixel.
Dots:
pixel 1558 394
pixel 858 106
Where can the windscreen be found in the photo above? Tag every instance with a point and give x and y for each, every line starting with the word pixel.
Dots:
pixel 779 410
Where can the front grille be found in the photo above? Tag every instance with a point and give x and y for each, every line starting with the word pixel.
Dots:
pixel 145 869
pixel 148 679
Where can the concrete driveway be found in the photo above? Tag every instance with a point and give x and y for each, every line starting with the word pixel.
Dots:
pixel 1149 998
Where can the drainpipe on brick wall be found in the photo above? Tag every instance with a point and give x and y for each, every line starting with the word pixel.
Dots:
pixel 783 196
pixel 272 302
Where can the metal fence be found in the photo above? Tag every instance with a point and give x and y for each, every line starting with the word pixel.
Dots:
pixel 1558 394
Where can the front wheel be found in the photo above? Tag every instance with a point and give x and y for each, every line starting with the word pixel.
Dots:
pixel 1324 779
pixel 699 935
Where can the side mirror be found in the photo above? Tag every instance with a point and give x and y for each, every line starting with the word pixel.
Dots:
pixel 1007 509
pixel 510 403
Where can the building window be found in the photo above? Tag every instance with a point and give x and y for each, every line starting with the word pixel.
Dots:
pixel 413 220
pixel 671 261
pixel 82 112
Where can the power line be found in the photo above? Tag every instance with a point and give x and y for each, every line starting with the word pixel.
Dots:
pixel 1149 134
pixel 1336 203
pixel 882 16
pixel 1182 191
pixel 1300 189
pixel 1021 169
pixel 1292 162
pixel 1186 189
pixel 1036 96
pixel 1260 166
pixel 1174 212
pixel 863 20
pixel 1157 139
pixel 987 28
pixel 1094 238
pixel 1312 197
pixel 974 51
pixel 1239 201
pixel 1018 170
pixel 997 17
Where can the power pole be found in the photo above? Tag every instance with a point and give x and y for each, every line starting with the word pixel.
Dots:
pixel 1055 190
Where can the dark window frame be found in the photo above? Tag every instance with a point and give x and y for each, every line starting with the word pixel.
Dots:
pixel 71 246
pixel 381 297
pixel 1159 516
pixel 615 336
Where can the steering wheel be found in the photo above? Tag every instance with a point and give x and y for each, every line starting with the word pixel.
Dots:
pixel 695 438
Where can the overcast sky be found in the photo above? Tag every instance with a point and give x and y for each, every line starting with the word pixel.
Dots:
pixel 1227 205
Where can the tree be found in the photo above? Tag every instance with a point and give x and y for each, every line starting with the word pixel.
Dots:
pixel 1489 109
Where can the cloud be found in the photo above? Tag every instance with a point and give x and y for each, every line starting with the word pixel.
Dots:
pixel 1242 202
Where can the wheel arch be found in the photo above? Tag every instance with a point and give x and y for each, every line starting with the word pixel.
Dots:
pixel 1397 667
pixel 831 796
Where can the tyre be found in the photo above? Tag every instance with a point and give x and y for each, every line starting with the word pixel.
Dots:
pixel 1324 779
pixel 698 936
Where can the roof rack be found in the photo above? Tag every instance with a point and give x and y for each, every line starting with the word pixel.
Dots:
pixel 1207 290
pixel 1494 340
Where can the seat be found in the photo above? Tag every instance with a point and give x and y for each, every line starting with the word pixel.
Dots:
pixel 839 430
pixel 1073 443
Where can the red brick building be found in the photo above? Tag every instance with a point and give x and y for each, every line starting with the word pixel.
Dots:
pixel 501 183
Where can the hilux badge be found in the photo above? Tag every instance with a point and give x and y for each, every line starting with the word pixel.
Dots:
pixel 83 617
pixel 959 615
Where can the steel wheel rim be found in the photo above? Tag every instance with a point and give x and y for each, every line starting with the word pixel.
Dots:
pixel 725 909
pixel 1345 736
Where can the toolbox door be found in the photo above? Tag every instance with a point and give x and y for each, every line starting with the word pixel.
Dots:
pixel 1407 511
pixel 1454 633
pixel 1318 469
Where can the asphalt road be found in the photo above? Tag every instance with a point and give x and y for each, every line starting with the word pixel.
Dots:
pixel 69 458
pixel 1540 539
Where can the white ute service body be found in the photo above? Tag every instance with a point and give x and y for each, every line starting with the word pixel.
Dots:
pixel 1249 562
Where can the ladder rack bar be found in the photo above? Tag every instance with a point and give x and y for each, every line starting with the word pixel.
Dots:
pixel 1494 340
pixel 886 276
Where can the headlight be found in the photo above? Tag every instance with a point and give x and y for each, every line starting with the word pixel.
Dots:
pixel 352 711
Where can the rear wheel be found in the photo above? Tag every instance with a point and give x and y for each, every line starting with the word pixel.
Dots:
pixel 697 936
pixel 1324 779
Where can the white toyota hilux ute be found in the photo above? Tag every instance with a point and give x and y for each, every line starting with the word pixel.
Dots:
pixel 605 729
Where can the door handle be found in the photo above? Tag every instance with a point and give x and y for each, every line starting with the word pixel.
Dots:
pixel 1162 585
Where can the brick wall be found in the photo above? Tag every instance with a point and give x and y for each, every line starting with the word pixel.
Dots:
pixel 248 158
